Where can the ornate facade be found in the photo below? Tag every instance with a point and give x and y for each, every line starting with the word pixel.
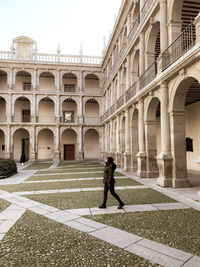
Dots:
pixel 140 103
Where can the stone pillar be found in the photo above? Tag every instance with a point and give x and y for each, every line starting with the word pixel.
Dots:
pixel 9 107
pixel 80 149
pixel 151 149
pixel 34 80
pixel 57 155
pixel 197 27
pixel 118 148
pixel 142 54
pixel 10 80
pixel 127 153
pixel 179 171
pixel 57 109
pixel 142 158
pixel 165 158
pixel 163 26
pixel 174 30
pixel 33 109
pixel 33 154
pixel 9 150
pixel 128 24
pixel 81 112
pixel 128 72
pixel 57 81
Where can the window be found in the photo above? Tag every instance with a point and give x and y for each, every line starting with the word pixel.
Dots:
pixel 26 86
pixel 26 116
pixel 69 87
pixel 68 116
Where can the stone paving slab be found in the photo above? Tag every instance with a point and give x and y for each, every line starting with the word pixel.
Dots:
pixel 169 251
pixel 39 210
pixel 136 208
pixel 154 256
pixel 193 262
pixel 80 226
pixel 85 211
pixel 170 206
pixel 116 237
pixel 62 216
pixel 63 173
pixel 11 214
pixel 2 236
pixel 47 208
pixel 93 224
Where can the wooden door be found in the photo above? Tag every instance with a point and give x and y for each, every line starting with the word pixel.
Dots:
pixel 69 152
pixel 25 115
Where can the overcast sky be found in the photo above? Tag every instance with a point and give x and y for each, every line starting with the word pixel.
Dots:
pixel 68 22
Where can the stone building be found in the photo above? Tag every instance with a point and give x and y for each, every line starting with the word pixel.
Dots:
pixel 140 103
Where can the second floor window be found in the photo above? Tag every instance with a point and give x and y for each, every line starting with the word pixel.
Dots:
pixel 26 86
pixel 69 87
pixel 68 116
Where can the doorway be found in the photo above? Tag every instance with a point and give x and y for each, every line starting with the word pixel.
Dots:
pixel 25 115
pixel 25 148
pixel 69 152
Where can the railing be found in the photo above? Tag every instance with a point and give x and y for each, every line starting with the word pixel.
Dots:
pixel 179 47
pixel 148 76
pixel 46 119
pixel 92 120
pixel 4 86
pixel 120 102
pixel 112 109
pixel 41 57
pixel 22 119
pixel 2 118
pixel 133 31
pixel 73 120
pixel 131 92
pixel 145 9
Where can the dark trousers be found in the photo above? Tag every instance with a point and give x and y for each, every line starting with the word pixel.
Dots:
pixel 112 191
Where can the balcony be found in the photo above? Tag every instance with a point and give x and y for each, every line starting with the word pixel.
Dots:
pixel 69 120
pixel 4 87
pixel 46 119
pixel 145 9
pixel 22 119
pixel 2 118
pixel 148 76
pixel 179 47
pixel 131 92
pixel 92 120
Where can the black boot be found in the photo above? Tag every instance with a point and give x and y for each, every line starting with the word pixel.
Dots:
pixel 102 206
pixel 121 205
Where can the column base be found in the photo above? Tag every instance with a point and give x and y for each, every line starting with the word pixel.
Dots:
pixel 58 119
pixel 152 174
pixel 8 155
pixel 134 164
pixel 33 119
pixel 127 162
pixel 152 167
pixel 180 183
pixel 32 157
pixel 57 156
pixel 142 165
pixel 163 182
pixel 81 155
pixel 165 166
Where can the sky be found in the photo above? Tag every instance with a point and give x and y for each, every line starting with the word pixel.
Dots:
pixel 68 22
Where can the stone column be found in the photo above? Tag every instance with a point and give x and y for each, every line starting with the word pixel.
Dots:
pixel 80 149
pixel 174 30
pixel 179 171
pixel 9 150
pixel 128 24
pixel 197 26
pixel 10 80
pixel 57 81
pixel 127 153
pixel 33 109
pixel 9 107
pixel 163 26
pixel 142 158
pixel 164 160
pixel 81 114
pixel 128 72
pixel 57 152
pixel 33 154
pixel 57 109
pixel 142 54
pixel 34 80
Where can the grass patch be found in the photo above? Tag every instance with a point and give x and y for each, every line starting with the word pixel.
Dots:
pixel 68 176
pixel 38 241
pixel 79 163
pixel 69 171
pixel 175 228
pixel 91 199
pixel 3 204
pixel 64 185
pixel 38 166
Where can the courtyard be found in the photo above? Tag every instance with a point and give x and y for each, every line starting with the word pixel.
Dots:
pixel 49 216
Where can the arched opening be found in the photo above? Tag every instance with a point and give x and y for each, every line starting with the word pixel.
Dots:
pixel 69 82
pixel 69 145
pixel 2 109
pixel 46 110
pixel 185 132
pixel 2 144
pixel 152 136
pixel 135 68
pixel 3 80
pixel 91 84
pixel 69 111
pixel 23 81
pixel 91 144
pixel 153 45
pixel 45 149
pixel 22 110
pixel 21 144
pixel 92 112
pixel 134 141
pixel 47 82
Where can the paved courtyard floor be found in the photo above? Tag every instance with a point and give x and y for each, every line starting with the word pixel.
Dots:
pixel 49 216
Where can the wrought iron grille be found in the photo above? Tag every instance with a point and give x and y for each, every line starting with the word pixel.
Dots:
pixel 131 92
pixel 148 76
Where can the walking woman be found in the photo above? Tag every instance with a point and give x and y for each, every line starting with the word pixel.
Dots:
pixel 109 183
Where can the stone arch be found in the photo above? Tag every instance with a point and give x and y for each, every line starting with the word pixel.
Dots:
pixel 69 110
pixel 91 144
pixel 69 82
pixel 3 80
pixel 21 143
pixel 153 44
pixel 69 146
pixel 45 144
pixel 47 81
pixel 92 83
pixel 92 108
pixel 23 80
pixel 152 135
pixel 46 109
pixel 22 109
